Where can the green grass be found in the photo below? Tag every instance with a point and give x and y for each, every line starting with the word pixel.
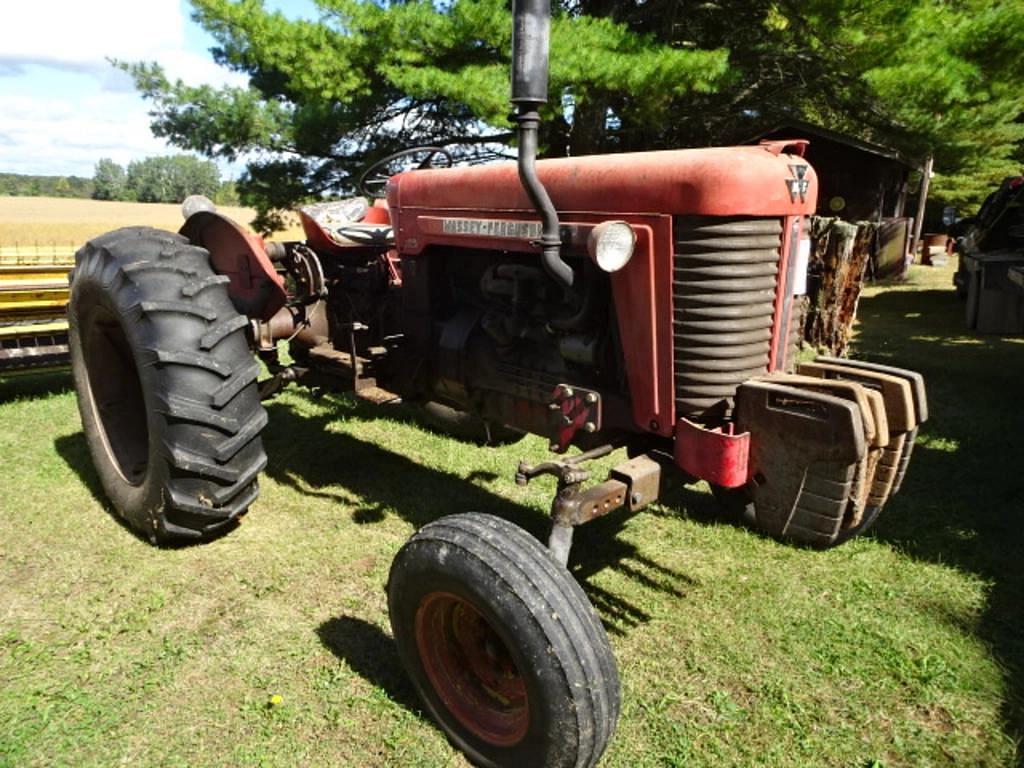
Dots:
pixel 900 649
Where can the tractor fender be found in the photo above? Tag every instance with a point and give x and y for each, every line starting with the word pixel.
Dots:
pixel 255 287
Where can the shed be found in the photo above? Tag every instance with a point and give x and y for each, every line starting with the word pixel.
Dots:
pixel 857 180
pixel 860 228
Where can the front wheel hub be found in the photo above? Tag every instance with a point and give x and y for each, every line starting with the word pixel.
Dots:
pixel 471 668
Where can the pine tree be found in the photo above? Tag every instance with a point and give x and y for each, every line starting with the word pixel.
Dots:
pixel 326 98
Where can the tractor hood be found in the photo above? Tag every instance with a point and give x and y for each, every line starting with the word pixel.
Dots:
pixel 729 181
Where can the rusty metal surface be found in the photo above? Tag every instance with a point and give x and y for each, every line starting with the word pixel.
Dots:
pixel 793 432
pixel 900 459
pixel 915 379
pixel 904 462
pixel 642 476
pixel 676 181
pixel 582 506
pixel 896 391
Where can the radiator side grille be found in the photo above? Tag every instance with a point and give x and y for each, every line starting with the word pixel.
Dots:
pixel 723 294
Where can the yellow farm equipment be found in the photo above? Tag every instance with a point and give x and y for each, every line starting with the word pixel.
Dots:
pixel 33 297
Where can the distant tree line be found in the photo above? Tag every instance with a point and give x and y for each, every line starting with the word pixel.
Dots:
pixel 20 185
pixel 153 180
pixel 161 180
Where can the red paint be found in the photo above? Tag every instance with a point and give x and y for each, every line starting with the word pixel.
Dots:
pixel 572 414
pixel 644 189
pixel 255 287
pixel 642 290
pixel 730 181
pixel 712 455
pixel 470 668
pixel 378 213
pixel 777 146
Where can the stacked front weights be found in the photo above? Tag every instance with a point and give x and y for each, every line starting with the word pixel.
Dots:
pixel 829 446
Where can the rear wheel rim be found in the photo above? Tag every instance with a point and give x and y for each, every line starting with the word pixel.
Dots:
pixel 117 399
pixel 471 669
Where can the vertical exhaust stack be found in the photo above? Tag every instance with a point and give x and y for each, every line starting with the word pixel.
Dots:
pixel 531 32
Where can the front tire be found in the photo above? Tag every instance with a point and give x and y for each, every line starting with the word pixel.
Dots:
pixel 166 384
pixel 502 645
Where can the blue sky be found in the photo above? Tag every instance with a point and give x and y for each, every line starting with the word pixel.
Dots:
pixel 63 107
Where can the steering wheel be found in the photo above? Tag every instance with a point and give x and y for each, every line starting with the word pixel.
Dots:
pixel 375 178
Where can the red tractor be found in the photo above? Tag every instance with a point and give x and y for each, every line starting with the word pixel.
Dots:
pixel 637 301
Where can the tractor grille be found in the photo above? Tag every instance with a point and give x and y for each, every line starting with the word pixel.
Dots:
pixel 723 295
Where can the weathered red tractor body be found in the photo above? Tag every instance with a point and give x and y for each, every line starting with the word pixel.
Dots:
pixel 638 301
pixel 679 204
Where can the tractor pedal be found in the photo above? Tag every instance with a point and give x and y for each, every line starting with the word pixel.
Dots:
pixel 378 396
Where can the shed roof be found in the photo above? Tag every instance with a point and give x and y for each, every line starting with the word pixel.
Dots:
pixel 801 129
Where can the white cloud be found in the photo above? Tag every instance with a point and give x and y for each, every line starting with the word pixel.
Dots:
pixel 70 32
pixel 58 137
pixel 62 105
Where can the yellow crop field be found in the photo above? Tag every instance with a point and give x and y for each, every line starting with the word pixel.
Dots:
pixel 48 223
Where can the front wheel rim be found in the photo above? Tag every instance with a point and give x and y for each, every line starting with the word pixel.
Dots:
pixel 471 669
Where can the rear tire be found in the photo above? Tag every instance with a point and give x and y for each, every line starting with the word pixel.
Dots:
pixel 166 384
pixel 502 645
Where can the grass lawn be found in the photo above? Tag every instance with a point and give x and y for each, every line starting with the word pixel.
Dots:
pixel 271 647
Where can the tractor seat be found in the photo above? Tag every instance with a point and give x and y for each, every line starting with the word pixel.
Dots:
pixel 346 224
pixel 361 234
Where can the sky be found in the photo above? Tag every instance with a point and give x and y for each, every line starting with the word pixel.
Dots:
pixel 63 106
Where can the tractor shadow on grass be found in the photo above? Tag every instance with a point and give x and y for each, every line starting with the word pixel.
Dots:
pixel 75 452
pixel 307 455
pixel 372 655
pixel 35 386
pixel 961 502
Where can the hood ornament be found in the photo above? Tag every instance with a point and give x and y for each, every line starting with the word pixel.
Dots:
pixel 799 184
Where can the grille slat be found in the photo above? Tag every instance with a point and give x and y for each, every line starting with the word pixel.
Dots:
pixel 725 279
pixel 724 326
pixel 726 271
pixel 722 339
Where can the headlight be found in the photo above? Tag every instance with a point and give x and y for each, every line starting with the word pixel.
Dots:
pixel 611 245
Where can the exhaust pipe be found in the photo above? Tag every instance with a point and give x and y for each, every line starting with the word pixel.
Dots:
pixel 531 32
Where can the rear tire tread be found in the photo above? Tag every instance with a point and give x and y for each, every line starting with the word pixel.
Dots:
pixel 196 374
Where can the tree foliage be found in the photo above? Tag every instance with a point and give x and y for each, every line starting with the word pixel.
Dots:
pixel 109 180
pixel 23 185
pixel 158 180
pixel 327 97
pixel 172 179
